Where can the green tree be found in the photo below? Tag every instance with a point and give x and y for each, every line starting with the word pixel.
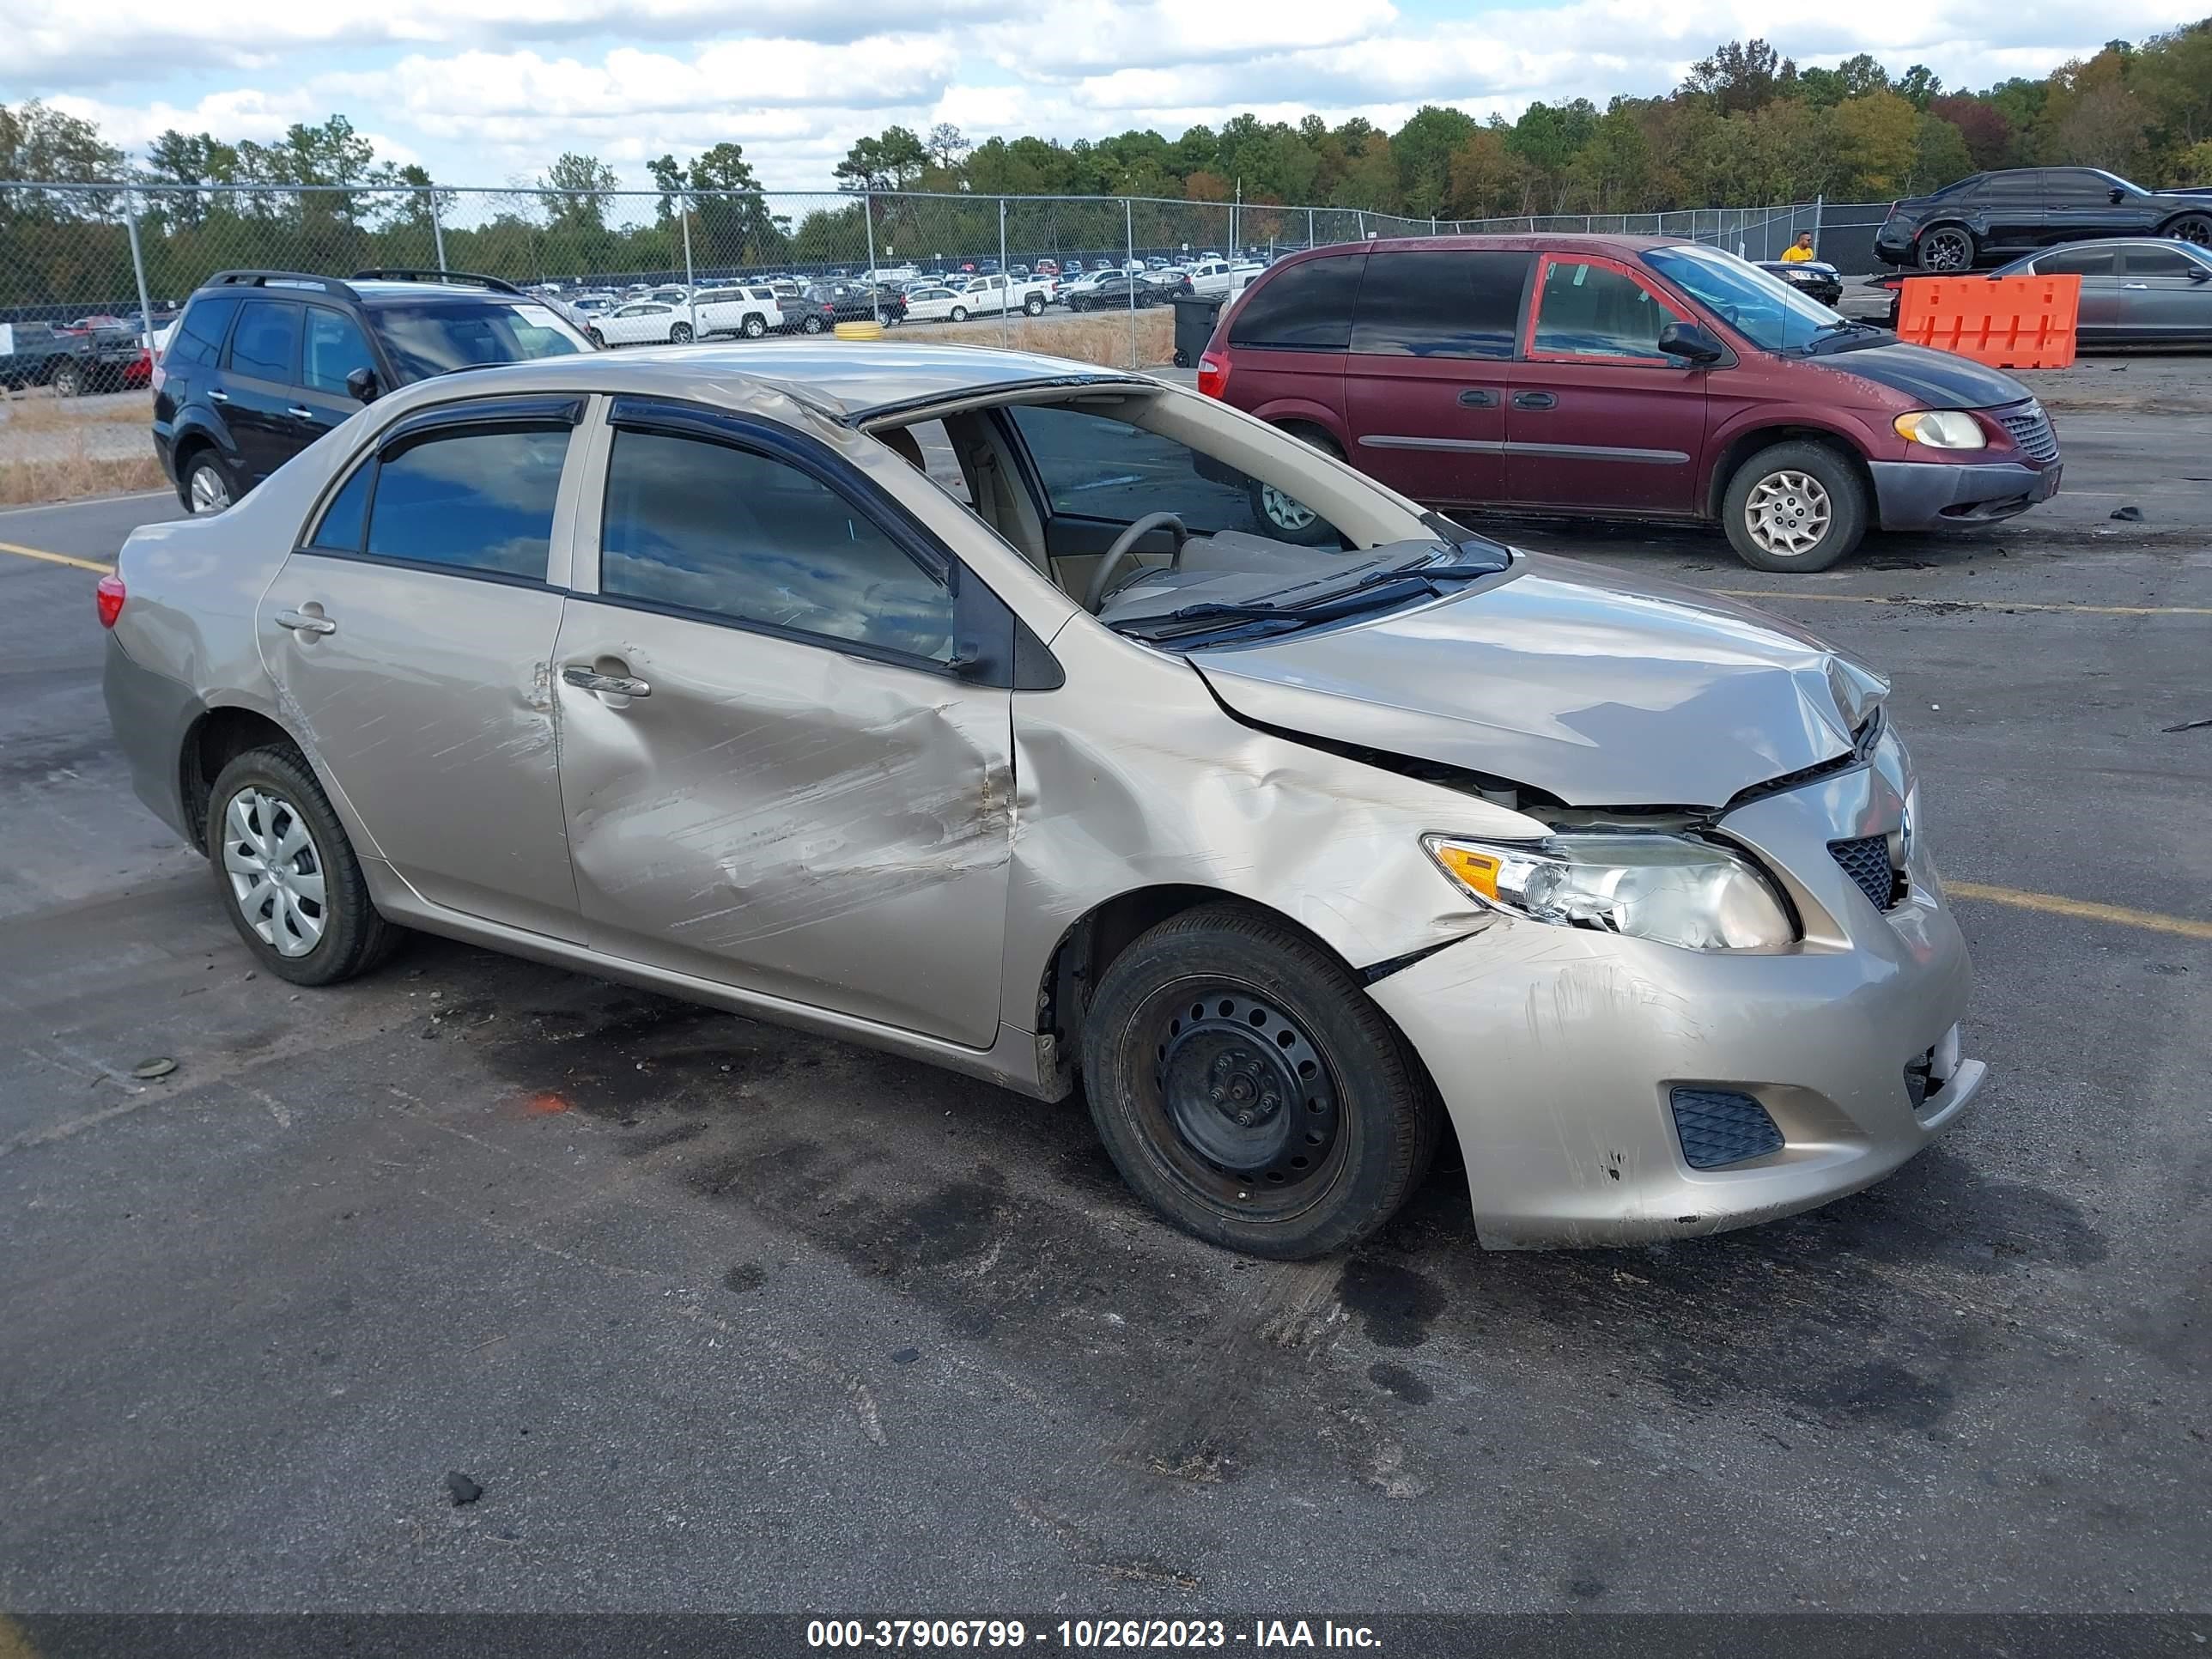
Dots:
pixel 1423 148
pixel 891 160
pixel 589 183
pixel 1877 137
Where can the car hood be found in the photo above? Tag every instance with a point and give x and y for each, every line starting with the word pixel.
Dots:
pixel 1600 691
pixel 1936 379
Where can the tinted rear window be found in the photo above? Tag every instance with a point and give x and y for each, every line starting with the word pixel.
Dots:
pixel 266 342
pixel 199 336
pixel 1305 306
pixel 1441 304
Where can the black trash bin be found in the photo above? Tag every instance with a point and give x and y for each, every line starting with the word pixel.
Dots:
pixel 1195 315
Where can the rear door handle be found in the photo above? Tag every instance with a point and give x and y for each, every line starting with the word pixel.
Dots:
pixel 301 412
pixel 1475 397
pixel 613 685
pixel 1534 400
pixel 218 396
pixel 300 623
pixel 2142 285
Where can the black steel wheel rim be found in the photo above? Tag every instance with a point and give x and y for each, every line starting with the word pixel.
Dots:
pixel 1243 1107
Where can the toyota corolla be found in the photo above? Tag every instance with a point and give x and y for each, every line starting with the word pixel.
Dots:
pixel 958 702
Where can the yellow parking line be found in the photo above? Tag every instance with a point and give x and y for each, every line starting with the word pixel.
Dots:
pixel 55 558
pixel 1970 605
pixel 2081 909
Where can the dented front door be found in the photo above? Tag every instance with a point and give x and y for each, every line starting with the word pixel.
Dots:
pixel 787 817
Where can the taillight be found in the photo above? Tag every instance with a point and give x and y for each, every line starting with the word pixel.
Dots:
pixel 1212 374
pixel 107 597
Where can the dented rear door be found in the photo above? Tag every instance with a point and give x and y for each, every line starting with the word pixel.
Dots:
pixel 774 777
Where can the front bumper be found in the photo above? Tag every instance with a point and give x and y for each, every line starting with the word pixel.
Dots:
pixel 1557 1050
pixel 1928 494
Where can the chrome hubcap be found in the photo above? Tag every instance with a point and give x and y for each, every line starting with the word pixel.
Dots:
pixel 275 871
pixel 209 493
pixel 1283 512
pixel 1787 513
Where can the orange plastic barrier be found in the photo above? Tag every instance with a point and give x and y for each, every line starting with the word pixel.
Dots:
pixel 2007 322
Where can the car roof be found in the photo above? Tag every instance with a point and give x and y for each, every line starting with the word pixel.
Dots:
pixel 1537 242
pixel 845 379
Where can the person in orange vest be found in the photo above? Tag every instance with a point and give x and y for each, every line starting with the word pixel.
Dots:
pixel 1800 250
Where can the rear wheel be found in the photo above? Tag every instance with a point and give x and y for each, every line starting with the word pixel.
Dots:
pixel 1034 305
pixel 813 324
pixel 680 335
pixel 290 881
pixel 597 338
pixel 1250 1091
pixel 1795 507
pixel 959 314
pixel 1946 250
pixel 754 327
pixel 67 379
pixel 204 485
pixel 2193 228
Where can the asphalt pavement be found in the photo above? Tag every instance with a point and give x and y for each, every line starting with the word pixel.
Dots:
pixel 720 1316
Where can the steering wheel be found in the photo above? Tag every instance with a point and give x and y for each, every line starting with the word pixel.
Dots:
pixel 1102 579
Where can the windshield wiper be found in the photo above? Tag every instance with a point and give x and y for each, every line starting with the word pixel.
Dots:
pixel 1385 587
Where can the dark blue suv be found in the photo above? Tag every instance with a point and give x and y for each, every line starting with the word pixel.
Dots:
pixel 264 362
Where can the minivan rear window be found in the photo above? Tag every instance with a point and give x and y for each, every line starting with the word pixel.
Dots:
pixel 1441 304
pixel 1305 306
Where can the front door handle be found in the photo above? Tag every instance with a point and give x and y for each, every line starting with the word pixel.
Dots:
pixel 218 396
pixel 1534 400
pixel 300 623
pixel 301 412
pixel 612 685
pixel 1475 397
pixel 2141 285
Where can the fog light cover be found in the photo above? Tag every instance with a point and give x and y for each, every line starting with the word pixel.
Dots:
pixel 1719 1127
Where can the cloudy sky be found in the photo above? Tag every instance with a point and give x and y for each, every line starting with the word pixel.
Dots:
pixel 487 91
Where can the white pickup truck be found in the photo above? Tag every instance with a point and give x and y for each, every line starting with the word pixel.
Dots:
pixel 987 296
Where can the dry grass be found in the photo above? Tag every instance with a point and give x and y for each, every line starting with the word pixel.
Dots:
pixel 70 477
pixel 1101 337
pixel 40 410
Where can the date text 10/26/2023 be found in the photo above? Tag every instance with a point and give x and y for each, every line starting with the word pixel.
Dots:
pixel 1085 1634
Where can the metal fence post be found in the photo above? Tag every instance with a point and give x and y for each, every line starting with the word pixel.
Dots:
pixel 1129 230
pixel 1310 228
pixel 138 265
pixel 1006 276
pixel 687 243
pixel 868 213
pixel 437 228
pixel 1820 200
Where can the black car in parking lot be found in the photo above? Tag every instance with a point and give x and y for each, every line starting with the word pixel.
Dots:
pixel 1814 279
pixel 1992 217
pixel 264 362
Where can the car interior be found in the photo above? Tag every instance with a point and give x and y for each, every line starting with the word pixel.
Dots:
pixel 1063 479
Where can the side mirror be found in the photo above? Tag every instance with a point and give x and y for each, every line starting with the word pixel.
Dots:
pixel 1690 343
pixel 2200 273
pixel 362 383
pixel 2117 195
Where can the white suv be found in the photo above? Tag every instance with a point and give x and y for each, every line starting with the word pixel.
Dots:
pixel 752 311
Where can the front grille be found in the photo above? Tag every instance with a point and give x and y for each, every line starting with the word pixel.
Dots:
pixel 1866 862
pixel 2031 433
pixel 1718 1126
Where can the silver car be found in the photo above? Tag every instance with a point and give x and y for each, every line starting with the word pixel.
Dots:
pixel 956 702
pixel 2138 292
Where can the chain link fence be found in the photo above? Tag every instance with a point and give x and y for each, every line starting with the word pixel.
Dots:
pixel 90 274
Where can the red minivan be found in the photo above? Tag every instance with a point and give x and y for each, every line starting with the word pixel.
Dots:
pixel 1624 376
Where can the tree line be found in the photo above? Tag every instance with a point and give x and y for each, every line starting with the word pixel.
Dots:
pixel 1747 127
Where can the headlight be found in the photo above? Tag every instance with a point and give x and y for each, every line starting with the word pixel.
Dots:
pixel 1672 889
pixel 1941 428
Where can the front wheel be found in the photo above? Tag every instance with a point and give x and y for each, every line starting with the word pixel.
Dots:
pixel 2193 228
pixel 1795 507
pixel 207 487
pixel 812 325
pixel 597 338
pixel 1947 250
pixel 680 335
pixel 290 881
pixel 1250 1091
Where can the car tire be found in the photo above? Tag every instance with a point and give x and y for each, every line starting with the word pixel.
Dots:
pixel 2192 228
pixel 957 314
pixel 680 335
pixel 754 327
pixel 67 379
pixel 1283 518
pixel 1034 305
pixel 1226 1010
pixel 597 338
pixel 205 483
pixel 1796 507
pixel 811 325
pixel 289 880
pixel 1944 250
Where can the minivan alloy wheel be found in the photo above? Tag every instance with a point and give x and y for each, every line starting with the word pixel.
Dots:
pixel 1788 513
pixel 275 871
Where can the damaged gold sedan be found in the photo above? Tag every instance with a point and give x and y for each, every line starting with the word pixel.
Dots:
pixel 1057 725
